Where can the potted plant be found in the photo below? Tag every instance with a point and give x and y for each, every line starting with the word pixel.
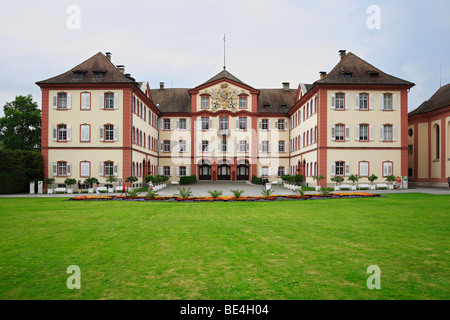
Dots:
pixel 338 180
pixel 354 178
pixel 391 178
pixel 112 180
pixel 70 182
pixel 49 182
pixel 318 178
pixel 91 181
pixel 372 179
pixel 131 180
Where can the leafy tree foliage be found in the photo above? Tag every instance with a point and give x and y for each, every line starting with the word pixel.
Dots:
pixel 20 128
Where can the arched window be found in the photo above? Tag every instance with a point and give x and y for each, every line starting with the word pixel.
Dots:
pixel 437 142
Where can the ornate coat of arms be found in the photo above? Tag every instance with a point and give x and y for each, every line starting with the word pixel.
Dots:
pixel 224 97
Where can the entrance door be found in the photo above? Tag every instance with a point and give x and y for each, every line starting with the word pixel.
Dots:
pixel 204 172
pixel 223 172
pixel 242 172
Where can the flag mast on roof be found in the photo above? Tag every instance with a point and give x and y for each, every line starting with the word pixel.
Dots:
pixel 224 65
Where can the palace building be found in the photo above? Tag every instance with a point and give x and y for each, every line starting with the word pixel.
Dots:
pixel 98 121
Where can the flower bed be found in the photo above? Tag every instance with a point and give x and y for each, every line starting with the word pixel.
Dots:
pixel 230 198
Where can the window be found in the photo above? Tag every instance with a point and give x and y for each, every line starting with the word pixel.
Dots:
pixel 280 171
pixel 85 169
pixel 340 166
pixel 410 149
pixel 243 146
pixel 265 146
pixel 62 168
pixel 223 123
pixel 266 106
pixel 364 132
pixel 78 75
pixel 437 142
pixel 182 145
pixel 109 100
pixel 109 168
pixel 265 124
pixel 183 124
pixel 98 74
pixel 205 146
pixel 85 101
pixel 62 100
pixel 62 132
pixel 281 146
pixel 242 124
pixel 264 171
pixel 166 124
pixel 223 146
pixel 363 101
pixel 340 132
pixel 182 171
pixel 410 132
pixel 109 132
pixel 387 132
pixel 340 101
pixel 387 101
pixel 205 102
pixel 85 132
pixel 410 172
pixel 364 169
pixel 281 125
pixel 243 102
pixel 166 146
pixel 205 123
pixel 387 168
pixel 348 75
pixel 166 171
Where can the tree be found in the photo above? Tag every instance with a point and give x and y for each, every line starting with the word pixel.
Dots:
pixel 49 182
pixel 131 179
pixel 372 178
pixel 112 180
pixel 318 178
pixel 20 128
pixel 337 179
pixel 91 181
pixel 354 178
pixel 70 182
pixel 391 178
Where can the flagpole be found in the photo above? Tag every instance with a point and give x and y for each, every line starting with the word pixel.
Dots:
pixel 224 65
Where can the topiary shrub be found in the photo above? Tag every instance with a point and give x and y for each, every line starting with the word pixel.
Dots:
pixel 256 180
pixel 188 180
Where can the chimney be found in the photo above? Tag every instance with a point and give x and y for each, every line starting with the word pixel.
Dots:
pixel 322 74
pixel 108 56
pixel 161 85
pixel 121 69
pixel 286 86
pixel 342 54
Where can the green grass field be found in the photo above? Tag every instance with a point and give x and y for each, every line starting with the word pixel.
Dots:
pixel 269 250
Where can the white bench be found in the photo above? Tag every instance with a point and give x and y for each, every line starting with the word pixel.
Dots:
pixel 363 186
pixel 175 182
pixel 347 186
pixel 102 189
pixel 382 186
pixel 60 190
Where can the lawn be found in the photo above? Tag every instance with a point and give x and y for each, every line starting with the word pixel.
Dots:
pixel 270 250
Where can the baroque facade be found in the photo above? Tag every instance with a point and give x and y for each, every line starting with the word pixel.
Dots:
pixel 98 121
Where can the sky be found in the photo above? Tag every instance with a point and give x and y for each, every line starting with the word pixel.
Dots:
pixel 180 42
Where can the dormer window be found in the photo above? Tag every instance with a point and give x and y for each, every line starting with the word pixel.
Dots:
pixel 348 75
pixel 374 75
pixel 98 74
pixel 78 75
pixel 283 106
pixel 266 106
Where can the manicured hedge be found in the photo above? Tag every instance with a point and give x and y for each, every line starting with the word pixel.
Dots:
pixel 256 180
pixel 18 168
pixel 188 180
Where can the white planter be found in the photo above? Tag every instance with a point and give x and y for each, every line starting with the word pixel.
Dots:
pixel 49 191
